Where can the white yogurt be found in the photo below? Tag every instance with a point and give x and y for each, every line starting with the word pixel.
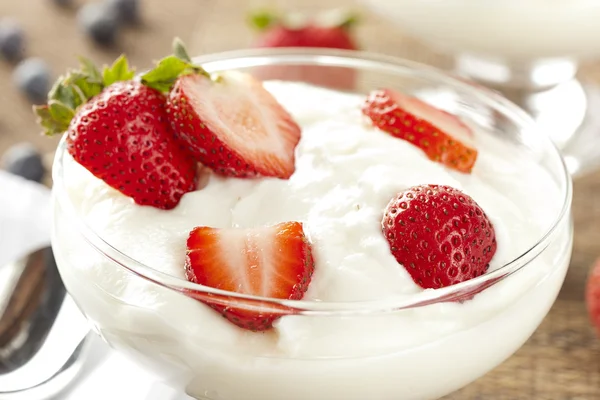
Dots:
pixel 513 29
pixel 346 172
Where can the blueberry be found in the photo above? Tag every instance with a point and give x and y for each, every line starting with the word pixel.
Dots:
pixel 12 40
pixel 128 10
pixel 32 76
pixel 25 161
pixel 63 3
pixel 100 21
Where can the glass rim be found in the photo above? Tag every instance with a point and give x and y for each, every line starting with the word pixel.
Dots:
pixel 355 60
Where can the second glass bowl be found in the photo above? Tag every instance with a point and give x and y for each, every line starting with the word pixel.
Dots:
pixel 529 50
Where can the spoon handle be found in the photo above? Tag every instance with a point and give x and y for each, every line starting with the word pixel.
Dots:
pixel 25 297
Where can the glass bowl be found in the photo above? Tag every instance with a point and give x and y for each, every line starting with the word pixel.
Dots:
pixel 420 345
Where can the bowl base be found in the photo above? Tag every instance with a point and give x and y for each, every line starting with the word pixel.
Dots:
pixel 531 75
pixel 563 107
pixel 567 114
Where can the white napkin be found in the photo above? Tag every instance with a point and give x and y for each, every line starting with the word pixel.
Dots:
pixel 25 217
pixel 115 377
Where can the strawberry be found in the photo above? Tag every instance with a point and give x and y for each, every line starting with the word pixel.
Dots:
pixel 442 136
pixel 592 296
pixel 332 29
pixel 118 129
pixel 273 262
pixel 439 234
pixel 228 122
pixel 234 125
pixel 327 30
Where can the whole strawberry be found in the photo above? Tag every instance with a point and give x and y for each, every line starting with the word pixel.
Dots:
pixel 118 129
pixel 439 234
pixel 331 29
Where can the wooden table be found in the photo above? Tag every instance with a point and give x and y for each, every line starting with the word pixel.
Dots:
pixel 562 359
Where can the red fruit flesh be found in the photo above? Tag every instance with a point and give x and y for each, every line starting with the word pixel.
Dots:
pixel 439 234
pixel 274 262
pixel 442 136
pixel 234 125
pixel 310 36
pixel 592 296
pixel 122 136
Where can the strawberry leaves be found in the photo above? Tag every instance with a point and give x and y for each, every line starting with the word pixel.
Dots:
pixel 168 69
pixel 166 72
pixel 119 71
pixel 262 20
pixel 180 51
pixel 89 69
pixel 74 89
pixel 57 114
pixel 65 94
pixel 48 122
pixel 61 112
pixel 78 86
pixel 85 86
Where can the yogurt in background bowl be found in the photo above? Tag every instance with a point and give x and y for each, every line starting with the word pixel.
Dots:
pixel 518 30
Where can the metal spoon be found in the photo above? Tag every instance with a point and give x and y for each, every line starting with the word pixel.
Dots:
pixel 43 336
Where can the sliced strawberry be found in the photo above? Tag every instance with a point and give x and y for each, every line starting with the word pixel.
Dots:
pixel 273 262
pixel 441 135
pixel 233 125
